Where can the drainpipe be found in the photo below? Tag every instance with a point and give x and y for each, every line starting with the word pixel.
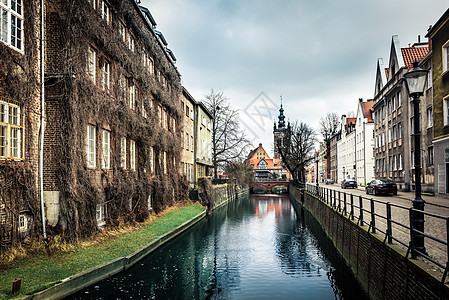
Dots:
pixel 364 153
pixel 41 142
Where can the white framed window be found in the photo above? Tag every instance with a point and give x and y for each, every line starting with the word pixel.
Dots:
pixel 429 77
pixel 151 65
pixel 105 75
pixel 389 135
pixel 393 100
pixel 11 23
pixel 445 51
pixel 159 113
pixel 152 160
pixel 395 163
pixel 123 152
pixel 164 119
pixel 132 154
pixel 132 96
pixel 91 146
pixel 105 11
pixel 446 110
pixel 400 130
pixel 11 130
pixel 429 117
pixel 23 223
pixel 144 111
pixel 92 54
pixel 106 153
pixel 93 3
pixel 399 99
pixel 131 43
pixel 122 31
pixel 100 214
pixel 165 162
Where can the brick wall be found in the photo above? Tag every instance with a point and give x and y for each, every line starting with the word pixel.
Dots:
pixel 381 269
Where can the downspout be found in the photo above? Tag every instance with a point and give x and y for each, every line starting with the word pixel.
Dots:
pixel 41 142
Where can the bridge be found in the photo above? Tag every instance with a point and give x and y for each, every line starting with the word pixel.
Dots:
pixel 266 187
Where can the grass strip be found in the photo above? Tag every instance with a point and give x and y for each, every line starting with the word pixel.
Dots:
pixel 40 271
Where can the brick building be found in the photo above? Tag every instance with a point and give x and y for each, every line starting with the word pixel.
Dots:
pixel 113 114
pixel 20 112
pixel 438 36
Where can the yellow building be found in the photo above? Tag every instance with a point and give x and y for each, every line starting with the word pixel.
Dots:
pixel 203 141
pixel 187 136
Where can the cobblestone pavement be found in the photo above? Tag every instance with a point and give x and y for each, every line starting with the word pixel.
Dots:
pixel 400 214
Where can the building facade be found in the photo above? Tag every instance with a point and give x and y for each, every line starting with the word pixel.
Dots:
pixel 333 157
pixel 263 166
pixel 364 147
pixel 188 104
pixel 346 149
pixel 113 116
pixel 203 141
pixel 393 116
pixel 20 113
pixel 439 43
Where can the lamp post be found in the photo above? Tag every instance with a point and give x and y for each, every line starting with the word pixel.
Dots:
pixel 416 81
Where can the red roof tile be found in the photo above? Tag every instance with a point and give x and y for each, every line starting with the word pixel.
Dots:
pixel 412 54
pixel 367 106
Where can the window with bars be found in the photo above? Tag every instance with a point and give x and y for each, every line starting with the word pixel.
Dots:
pixel 11 130
pixel 11 23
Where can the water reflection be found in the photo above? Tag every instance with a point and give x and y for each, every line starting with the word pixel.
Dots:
pixel 256 248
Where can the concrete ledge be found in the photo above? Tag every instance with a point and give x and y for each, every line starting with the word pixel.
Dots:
pixel 82 280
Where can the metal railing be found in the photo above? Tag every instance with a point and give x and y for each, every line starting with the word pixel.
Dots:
pixel 394 221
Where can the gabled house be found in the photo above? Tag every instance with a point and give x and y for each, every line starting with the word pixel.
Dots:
pixel 393 116
pixel 263 166
pixel 364 153
pixel 346 149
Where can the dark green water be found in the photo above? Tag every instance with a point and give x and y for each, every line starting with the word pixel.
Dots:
pixel 257 248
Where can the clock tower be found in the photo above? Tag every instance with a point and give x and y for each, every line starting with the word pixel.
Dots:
pixel 279 132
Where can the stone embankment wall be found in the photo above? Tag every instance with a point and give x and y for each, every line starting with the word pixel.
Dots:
pixel 382 270
pixel 214 196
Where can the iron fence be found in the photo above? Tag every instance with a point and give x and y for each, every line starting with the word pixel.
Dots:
pixel 394 221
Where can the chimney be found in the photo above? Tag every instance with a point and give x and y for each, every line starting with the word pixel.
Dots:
pixel 260 144
pixel 360 100
pixel 419 38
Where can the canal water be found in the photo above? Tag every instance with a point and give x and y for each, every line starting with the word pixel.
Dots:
pixel 261 247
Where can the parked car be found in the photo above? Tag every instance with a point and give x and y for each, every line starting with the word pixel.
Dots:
pixel 381 186
pixel 329 181
pixel 349 183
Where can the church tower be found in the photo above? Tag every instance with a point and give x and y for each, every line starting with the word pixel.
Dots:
pixel 279 131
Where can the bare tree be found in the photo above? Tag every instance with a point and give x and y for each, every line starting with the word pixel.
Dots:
pixel 228 142
pixel 328 128
pixel 240 171
pixel 298 149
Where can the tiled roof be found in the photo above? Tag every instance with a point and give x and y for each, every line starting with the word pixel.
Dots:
pixel 350 121
pixel 270 163
pixel 367 106
pixel 412 54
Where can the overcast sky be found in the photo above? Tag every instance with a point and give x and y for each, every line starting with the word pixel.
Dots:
pixel 319 54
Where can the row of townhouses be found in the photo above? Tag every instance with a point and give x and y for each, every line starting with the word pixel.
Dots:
pixel 95 127
pixel 378 142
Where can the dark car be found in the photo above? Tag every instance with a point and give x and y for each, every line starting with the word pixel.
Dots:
pixel 349 183
pixel 381 186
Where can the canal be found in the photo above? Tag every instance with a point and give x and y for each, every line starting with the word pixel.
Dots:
pixel 261 247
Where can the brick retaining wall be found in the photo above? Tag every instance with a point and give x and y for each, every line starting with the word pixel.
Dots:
pixel 381 269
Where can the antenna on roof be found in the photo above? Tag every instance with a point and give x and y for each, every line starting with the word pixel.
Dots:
pixel 281 99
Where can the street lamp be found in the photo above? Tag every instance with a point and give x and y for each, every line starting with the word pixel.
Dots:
pixel 416 81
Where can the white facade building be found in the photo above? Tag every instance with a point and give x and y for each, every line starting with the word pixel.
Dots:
pixel 346 149
pixel 364 147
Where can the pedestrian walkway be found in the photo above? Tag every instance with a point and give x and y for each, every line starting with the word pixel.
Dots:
pixel 436 216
